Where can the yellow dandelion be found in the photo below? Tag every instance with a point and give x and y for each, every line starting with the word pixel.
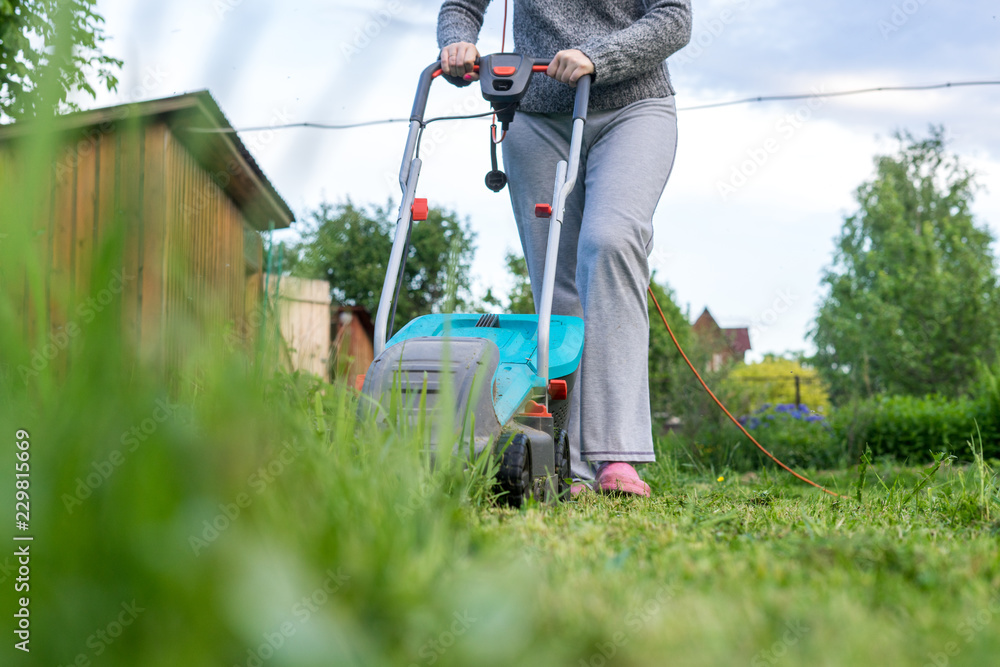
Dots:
pixel 721 479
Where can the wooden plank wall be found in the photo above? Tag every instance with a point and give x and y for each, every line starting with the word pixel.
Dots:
pixel 26 200
pixel 180 239
pixel 208 273
pixel 305 323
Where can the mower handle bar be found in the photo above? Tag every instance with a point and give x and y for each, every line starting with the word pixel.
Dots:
pixel 433 70
pixel 565 181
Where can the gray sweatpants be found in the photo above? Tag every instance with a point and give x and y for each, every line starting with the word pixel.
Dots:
pixel 603 271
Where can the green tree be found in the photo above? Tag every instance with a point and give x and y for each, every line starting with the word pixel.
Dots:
pixel 671 384
pixel 58 40
pixel 773 381
pixel 349 246
pixel 913 298
pixel 519 298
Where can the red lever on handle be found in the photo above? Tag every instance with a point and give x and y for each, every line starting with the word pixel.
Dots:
pixel 543 210
pixel 419 210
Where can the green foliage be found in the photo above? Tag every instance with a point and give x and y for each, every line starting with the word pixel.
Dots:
pixel 913 304
pixel 913 428
pixel 47 50
pixel 349 246
pixel 519 300
pixel 773 381
pixel 798 437
pixel 672 387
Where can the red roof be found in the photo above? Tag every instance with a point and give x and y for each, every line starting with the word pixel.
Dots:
pixel 738 338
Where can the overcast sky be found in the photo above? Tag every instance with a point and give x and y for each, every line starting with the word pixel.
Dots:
pixel 753 252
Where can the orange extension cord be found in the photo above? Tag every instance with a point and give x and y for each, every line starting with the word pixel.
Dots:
pixel 723 407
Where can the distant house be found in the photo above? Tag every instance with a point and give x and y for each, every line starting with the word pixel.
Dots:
pixel 169 185
pixel 725 345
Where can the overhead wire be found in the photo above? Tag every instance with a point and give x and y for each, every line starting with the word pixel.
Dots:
pixel 699 107
pixel 840 93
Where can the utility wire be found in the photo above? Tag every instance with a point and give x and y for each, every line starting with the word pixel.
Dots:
pixel 713 105
pixel 288 126
pixel 841 93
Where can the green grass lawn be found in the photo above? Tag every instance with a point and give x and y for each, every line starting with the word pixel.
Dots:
pixel 257 523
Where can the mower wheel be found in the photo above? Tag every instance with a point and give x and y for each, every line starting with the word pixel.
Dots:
pixel 563 465
pixel 514 476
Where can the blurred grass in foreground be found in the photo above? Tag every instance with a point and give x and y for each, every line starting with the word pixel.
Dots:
pixel 221 512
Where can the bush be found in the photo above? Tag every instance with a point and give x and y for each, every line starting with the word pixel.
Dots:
pixel 773 381
pixel 910 428
pixel 797 436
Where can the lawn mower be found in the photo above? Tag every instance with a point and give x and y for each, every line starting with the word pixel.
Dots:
pixel 512 375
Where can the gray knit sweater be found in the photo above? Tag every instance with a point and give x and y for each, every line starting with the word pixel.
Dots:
pixel 628 41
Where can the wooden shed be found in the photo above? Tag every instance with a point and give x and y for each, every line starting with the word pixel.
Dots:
pixel 304 312
pixel 179 193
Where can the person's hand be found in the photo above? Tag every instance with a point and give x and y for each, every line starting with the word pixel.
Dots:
pixel 569 65
pixel 457 60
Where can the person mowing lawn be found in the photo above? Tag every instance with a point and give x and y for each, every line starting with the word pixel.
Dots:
pixel 628 152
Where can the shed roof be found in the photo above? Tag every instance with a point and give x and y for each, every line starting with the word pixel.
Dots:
pixel 198 123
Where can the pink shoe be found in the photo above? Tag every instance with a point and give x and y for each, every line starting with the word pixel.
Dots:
pixel 576 489
pixel 620 477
